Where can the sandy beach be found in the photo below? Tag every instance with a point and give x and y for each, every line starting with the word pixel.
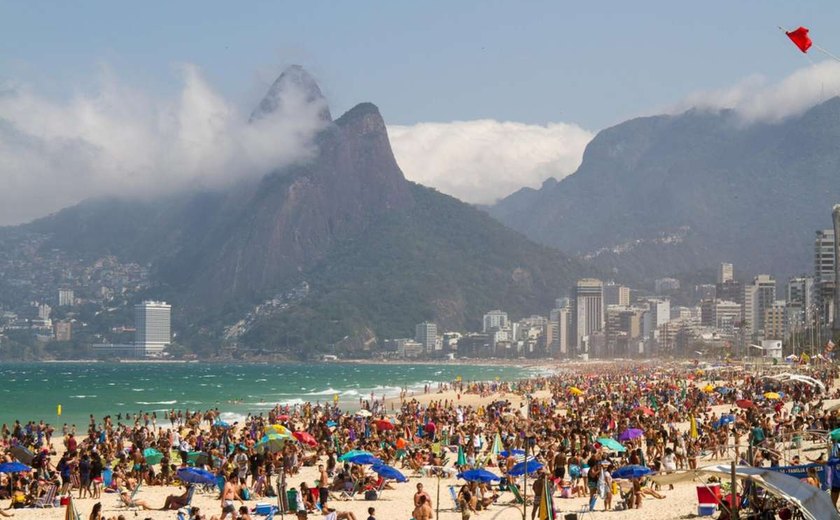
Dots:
pixel 397 504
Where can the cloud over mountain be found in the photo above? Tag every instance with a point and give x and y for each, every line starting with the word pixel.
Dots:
pixel 756 99
pixel 120 140
pixel 483 160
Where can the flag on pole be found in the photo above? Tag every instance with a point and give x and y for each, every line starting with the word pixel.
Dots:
pixel 800 38
pixel 546 506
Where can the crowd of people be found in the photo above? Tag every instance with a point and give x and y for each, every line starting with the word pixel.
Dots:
pixel 663 418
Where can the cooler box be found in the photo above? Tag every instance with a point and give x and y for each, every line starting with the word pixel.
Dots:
pixel 706 509
pixel 709 494
pixel 264 509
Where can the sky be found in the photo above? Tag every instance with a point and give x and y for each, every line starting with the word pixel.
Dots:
pixel 480 97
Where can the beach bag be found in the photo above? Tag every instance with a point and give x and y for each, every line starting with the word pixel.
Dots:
pixel 370 494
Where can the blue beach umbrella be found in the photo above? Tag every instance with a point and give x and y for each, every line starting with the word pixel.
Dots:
pixel 521 468
pixel 611 444
pixel 515 453
pixel 723 421
pixel 14 467
pixel 478 475
pixel 363 458
pixel 387 471
pixel 196 476
pixel 631 471
pixel 221 424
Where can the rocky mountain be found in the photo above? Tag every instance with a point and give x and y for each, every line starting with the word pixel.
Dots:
pixel 375 253
pixel 673 194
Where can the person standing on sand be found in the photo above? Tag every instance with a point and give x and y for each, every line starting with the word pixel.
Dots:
pixel 228 495
pixel 323 486
pixel 422 509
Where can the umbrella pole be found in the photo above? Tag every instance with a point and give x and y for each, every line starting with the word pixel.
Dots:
pixel 437 500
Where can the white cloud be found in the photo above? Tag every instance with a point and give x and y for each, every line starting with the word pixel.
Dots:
pixel 756 99
pixel 118 140
pixel 481 161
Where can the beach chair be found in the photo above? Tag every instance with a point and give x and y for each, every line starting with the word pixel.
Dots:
pixel 129 504
pixel 190 493
pixel 517 494
pixel 48 498
pixel 454 495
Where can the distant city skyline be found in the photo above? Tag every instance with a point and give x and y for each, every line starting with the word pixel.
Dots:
pixel 480 98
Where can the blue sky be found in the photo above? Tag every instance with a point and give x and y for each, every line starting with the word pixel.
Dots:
pixel 480 98
pixel 593 63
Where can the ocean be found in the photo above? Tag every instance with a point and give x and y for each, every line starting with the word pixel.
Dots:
pixel 33 391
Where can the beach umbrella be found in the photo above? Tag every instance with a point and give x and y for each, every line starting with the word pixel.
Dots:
pixel 22 454
pixel 221 424
pixel 835 435
pixel 496 449
pixel 722 390
pixel 462 458
pixel 305 438
pixel 152 456
pixel 272 443
pixel 772 395
pixel 389 472
pixel 363 458
pixel 14 467
pixel 629 434
pixel 278 429
pixel 478 475
pixel 196 476
pixel 631 471
pixel 708 389
pixel 515 453
pixel 364 413
pixel 611 444
pixel 382 424
pixel 647 411
pixel 529 466
pixel 744 403
pixel 331 424
pixel 575 391
pixel 352 453
pixel 723 421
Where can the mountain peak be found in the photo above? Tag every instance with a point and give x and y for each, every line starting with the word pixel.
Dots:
pixel 364 117
pixel 294 86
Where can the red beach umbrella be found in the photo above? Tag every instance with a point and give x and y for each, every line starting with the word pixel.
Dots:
pixel 305 438
pixel 382 424
pixel 744 403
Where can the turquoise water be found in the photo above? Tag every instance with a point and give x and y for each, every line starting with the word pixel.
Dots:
pixel 32 391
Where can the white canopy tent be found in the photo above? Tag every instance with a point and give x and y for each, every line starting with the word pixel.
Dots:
pixel 813 502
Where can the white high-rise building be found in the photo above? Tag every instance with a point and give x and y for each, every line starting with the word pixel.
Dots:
pixel 153 323
pixel 494 320
pixel 725 273
pixel 759 296
pixel 589 309
pixel 66 298
pixel 800 291
pixel 426 334
pixel 824 273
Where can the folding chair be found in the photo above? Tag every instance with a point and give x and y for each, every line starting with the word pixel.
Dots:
pixel 454 496
pixel 48 498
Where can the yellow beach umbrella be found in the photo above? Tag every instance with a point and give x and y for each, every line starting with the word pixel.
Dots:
pixel 278 429
pixel 709 389
pixel 772 395
pixel 575 391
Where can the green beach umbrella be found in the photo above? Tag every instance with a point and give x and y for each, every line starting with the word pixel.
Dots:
pixel 152 456
pixel 497 445
pixel 353 453
pixel 462 458
pixel 612 444
pixel 835 434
